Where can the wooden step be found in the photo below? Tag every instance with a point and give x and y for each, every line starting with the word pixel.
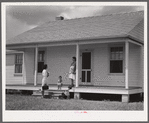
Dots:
pixel 38 93
pixel 53 93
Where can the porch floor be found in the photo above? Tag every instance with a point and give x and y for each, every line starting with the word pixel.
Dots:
pixel 82 89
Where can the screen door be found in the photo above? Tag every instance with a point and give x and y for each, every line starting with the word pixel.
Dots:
pixel 86 67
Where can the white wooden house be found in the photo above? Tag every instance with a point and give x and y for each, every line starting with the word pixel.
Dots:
pixel 108 48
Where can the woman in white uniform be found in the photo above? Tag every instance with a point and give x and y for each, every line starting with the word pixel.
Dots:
pixel 72 71
pixel 45 75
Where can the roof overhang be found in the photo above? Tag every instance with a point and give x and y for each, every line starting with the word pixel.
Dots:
pixel 135 41
pixel 13 51
pixel 97 40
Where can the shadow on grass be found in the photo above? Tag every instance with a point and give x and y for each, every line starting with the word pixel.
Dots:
pixel 23 92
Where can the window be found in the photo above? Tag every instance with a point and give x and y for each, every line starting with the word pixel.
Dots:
pixel 18 63
pixel 41 59
pixel 116 60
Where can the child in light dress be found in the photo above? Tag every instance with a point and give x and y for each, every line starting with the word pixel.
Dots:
pixel 59 83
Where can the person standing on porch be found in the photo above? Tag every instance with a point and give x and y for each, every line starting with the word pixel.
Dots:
pixel 59 83
pixel 72 71
pixel 45 74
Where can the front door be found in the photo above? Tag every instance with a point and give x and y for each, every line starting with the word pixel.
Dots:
pixel 86 67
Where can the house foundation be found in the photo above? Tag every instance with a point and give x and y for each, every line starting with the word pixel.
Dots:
pixel 76 95
pixel 125 98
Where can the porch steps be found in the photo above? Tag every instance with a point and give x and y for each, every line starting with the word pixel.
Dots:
pixel 50 93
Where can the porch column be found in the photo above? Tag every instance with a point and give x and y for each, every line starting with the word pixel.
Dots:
pixel 36 60
pixel 77 64
pixel 126 64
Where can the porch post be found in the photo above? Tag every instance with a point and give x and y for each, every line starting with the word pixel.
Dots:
pixel 126 64
pixel 36 60
pixel 77 64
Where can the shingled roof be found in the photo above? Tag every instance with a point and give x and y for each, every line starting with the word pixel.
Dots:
pixel 97 27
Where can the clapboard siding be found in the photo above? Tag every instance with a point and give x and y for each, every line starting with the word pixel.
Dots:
pixel 100 64
pixel 29 65
pixel 141 71
pixel 11 78
pixel 135 65
pixel 10 59
pixel 58 60
pixel 142 67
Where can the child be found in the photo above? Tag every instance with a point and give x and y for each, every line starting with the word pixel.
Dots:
pixel 59 83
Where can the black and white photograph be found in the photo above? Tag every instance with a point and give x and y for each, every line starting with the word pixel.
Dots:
pixel 74 61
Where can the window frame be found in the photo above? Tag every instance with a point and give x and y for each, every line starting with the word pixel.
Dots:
pixel 18 73
pixel 123 59
pixel 43 59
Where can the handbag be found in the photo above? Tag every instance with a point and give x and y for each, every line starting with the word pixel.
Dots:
pixel 45 87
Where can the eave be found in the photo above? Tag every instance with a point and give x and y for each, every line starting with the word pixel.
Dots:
pixel 95 40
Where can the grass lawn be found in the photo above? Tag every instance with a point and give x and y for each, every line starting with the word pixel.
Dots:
pixel 25 102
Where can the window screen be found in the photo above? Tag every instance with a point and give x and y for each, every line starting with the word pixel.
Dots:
pixel 18 63
pixel 116 60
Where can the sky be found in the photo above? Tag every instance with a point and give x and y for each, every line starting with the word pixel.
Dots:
pixel 22 18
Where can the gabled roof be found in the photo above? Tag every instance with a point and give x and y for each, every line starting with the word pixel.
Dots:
pixel 97 27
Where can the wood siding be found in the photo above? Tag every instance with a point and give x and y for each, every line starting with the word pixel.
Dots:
pixel 58 60
pixel 101 75
pixel 135 65
pixel 11 77
pixel 29 56
pixel 142 67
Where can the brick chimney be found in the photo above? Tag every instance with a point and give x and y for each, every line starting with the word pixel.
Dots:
pixel 59 18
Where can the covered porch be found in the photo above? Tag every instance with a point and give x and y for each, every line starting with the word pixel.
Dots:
pixel 79 60
pixel 90 87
